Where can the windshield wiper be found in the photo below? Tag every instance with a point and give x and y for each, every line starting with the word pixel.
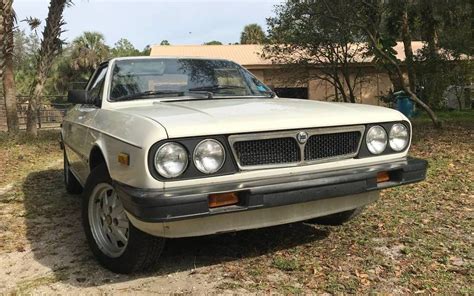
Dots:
pixel 209 89
pixel 216 87
pixel 150 93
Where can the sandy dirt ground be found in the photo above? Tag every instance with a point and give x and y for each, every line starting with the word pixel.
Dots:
pixel 50 254
pixel 46 251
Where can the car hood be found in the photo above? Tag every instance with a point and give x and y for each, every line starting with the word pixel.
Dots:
pixel 232 116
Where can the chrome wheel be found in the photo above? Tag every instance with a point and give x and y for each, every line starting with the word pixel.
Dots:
pixel 108 222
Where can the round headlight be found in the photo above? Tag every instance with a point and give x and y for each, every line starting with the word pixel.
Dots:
pixel 376 139
pixel 398 137
pixel 171 160
pixel 209 156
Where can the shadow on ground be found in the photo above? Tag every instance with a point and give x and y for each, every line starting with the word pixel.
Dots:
pixel 55 232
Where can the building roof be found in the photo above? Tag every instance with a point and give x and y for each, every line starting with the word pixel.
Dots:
pixel 248 55
pixel 244 54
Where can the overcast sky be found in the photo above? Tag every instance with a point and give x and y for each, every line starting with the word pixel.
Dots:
pixel 148 22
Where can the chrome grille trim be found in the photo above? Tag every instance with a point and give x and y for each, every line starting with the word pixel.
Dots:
pixel 268 151
pixel 292 134
pixel 327 146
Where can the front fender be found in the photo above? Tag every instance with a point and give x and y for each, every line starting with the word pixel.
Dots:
pixel 114 133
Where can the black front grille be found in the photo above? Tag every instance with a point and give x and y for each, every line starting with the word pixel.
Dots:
pixel 267 152
pixel 331 145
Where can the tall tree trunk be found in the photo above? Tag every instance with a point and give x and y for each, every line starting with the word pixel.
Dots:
pixel 433 64
pixel 430 33
pixel 336 93
pixel 406 37
pixel 347 79
pixel 10 96
pixel 393 78
pixel 436 122
pixel 2 41
pixel 35 100
pixel 336 88
pixel 6 64
pixel 339 87
pixel 50 47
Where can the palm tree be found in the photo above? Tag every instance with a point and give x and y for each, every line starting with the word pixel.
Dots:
pixel 89 50
pixel 50 47
pixel 252 34
pixel 7 19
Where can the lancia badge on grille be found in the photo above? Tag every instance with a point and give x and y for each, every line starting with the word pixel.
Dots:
pixel 302 137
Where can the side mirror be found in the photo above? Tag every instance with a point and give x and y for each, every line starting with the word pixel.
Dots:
pixel 79 97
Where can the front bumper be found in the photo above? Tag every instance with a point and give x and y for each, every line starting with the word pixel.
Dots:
pixel 171 205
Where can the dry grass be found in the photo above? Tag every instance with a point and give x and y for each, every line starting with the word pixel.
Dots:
pixel 415 239
pixel 20 155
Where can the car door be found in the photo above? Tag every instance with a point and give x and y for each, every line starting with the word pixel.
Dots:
pixel 77 130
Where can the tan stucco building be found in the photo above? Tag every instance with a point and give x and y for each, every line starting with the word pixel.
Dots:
pixel 375 82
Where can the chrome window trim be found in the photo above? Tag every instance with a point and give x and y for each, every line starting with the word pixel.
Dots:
pixel 293 134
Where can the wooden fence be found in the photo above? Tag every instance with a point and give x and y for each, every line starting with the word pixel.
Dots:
pixel 50 115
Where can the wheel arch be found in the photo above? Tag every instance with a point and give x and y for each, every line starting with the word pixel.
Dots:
pixel 97 157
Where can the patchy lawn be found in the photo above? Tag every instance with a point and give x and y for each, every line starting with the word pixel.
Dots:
pixel 21 155
pixel 415 239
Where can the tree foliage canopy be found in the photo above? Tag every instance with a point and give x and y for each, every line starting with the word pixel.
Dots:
pixel 313 32
pixel 252 34
pixel 124 48
pixel 89 50
pixel 301 34
pixel 73 65
pixel 213 42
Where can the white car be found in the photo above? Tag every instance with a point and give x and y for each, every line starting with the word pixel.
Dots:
pixel 179 147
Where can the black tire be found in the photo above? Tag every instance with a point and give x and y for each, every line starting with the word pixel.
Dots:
pixel 142 250
pixel 337 219
pixel 70 182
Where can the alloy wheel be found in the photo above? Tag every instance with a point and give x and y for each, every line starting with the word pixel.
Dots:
pixel 109 224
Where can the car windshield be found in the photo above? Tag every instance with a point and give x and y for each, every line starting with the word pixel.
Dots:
pixel 198 78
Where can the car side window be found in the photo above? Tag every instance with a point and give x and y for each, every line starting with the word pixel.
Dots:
pixel 97 86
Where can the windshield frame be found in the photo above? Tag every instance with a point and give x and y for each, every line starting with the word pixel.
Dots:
pixel 188 95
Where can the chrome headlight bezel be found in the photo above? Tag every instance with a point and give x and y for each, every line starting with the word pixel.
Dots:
pixel 376 134
pixel 191 172
pixel 160 167
pixel 401 133
pixel 387 126
pixel 197 159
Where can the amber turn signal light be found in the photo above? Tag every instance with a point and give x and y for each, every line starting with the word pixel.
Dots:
pixel 223 199
pixel 124 158
pixel 383 177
